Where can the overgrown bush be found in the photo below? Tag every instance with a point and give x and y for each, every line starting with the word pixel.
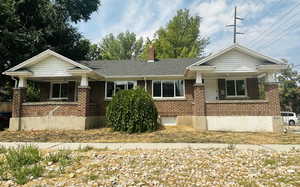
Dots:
pixel 132 111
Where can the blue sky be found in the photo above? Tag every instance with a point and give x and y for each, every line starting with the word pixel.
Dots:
pixel 270 26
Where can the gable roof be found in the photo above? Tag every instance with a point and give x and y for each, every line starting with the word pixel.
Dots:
pixel 44 55
pixel 139 68
pixel 241 49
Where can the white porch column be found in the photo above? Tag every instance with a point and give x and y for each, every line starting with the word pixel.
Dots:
pixel 84 80
pixel 270 77
pixel 22 82
pixel 198 78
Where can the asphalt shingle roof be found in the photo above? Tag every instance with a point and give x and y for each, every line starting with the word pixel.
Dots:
pixel 140 68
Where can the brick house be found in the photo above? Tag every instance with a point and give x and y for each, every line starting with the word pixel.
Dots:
pixel 231 90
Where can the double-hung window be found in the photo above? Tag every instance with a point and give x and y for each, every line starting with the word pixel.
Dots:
pixel 168 88
pixel 236 88
pixel 112 87
pixel 59 91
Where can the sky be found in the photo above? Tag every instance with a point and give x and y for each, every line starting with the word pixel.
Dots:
pixel 271 27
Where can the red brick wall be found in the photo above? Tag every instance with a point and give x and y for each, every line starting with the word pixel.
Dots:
pixel 82 107
pixel 164 107
pixel 35 110
pixel 19 95
pixel 92 103
pixel 199 100
pixel 176 107
pixel 249 108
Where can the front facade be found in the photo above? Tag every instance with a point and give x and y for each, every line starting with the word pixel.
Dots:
pixel 232 90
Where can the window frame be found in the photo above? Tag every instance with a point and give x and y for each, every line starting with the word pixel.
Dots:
pixel 161 90
pixel 235 88
pixel 51 90
pixel 114 90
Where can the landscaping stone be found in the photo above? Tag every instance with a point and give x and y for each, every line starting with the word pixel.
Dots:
pixel 173 167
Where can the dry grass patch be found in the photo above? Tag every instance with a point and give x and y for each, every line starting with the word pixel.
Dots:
pixel 166 135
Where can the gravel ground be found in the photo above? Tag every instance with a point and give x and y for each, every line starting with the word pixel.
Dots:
pixel 176 167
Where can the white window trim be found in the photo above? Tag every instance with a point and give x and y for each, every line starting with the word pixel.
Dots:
pixel 51 89
pixel 235 79
pixel 161 90
pixel 114 91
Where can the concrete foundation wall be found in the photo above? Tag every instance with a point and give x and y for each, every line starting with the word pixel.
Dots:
pixel 55 123
pixel 197 122
pixel 168 121
pixel 241 123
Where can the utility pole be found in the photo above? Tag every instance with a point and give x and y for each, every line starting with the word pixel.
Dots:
pixel 235 25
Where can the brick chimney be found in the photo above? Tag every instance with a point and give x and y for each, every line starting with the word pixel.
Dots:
pixel 151 54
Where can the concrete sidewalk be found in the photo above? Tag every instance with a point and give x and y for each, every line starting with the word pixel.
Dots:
pixel 123 146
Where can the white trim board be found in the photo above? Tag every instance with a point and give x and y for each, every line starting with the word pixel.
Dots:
pixel 241 49
pixel 44 55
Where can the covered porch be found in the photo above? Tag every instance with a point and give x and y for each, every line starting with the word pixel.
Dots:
pixel 54 102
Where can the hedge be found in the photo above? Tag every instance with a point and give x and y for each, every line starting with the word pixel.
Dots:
pixel 132 111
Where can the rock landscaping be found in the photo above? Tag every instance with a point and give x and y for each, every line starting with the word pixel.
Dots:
pixel 173 167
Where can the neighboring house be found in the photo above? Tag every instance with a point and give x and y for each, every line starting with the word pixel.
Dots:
pixel 232 90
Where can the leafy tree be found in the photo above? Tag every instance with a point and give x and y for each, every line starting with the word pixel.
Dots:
pixel 94 52
pixel 180 38
pixel 124 46
pixel 289 90
pixel 28 27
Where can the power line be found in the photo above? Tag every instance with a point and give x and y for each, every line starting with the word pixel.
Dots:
pixel 286 31
pixel 275 24
pixel 268 13
pixel 287 25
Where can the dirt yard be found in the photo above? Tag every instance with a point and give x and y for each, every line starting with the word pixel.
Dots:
pixel 166 135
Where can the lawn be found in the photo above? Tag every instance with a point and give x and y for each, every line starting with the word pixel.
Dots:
pixel 166 135
pixel 176 167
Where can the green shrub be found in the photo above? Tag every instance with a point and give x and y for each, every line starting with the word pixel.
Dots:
pixel 22 175
pixel 23 163
pixel 58 156
pixel 23 156
pixel 132 111
pixel 61 157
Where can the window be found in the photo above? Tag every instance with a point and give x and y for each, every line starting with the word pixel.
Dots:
pixel 113 87
pixel 59 91
pixel 168 88
pixel 235 88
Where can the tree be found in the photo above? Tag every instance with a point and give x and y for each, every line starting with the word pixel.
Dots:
pixel 29 27
pixel 289 90
pixel 180 38
pixel 123 46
